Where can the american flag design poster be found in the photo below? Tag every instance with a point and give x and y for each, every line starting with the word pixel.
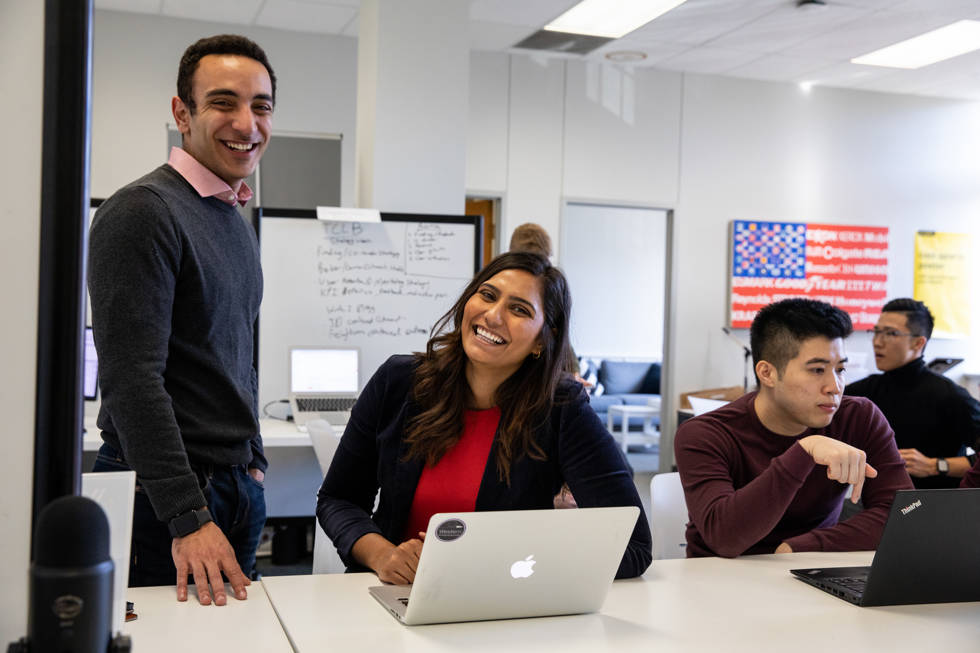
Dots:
pixel 844 265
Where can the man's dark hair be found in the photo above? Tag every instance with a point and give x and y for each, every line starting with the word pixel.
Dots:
pixel 228 44
pixel 780 328
pixel 917 315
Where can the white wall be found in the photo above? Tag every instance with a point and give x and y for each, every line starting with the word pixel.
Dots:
pixel 21 41
pixel 135 74
pixel 769 151
pixel 412 106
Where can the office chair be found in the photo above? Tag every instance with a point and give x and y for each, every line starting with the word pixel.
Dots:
pixel 668 516
pixel 325 442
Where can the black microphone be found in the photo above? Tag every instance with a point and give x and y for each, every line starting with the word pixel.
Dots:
pixel 70 608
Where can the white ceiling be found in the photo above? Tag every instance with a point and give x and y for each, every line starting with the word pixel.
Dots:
pixel 756 39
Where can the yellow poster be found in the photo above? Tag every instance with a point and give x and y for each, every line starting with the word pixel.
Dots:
pixel 942 280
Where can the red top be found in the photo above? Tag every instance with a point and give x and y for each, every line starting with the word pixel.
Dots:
pixel 452 484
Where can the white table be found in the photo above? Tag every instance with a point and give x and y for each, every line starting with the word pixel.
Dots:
pixel 294 475
pixel 650 433
pixel 748 604
pixel 165 625
pixel 275 433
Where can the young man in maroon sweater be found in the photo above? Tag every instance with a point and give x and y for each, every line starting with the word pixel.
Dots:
pixel 769 472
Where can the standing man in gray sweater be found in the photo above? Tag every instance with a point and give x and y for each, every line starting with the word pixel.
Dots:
pixel 176 284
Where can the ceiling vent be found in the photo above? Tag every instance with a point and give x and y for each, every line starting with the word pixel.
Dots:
pixel 563 42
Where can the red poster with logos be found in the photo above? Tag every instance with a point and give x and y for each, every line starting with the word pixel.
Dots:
pixel 844 265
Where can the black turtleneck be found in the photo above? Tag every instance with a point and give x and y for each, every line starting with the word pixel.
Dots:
pixel 927 411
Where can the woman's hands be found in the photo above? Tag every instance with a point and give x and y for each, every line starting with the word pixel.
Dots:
pixel 393 564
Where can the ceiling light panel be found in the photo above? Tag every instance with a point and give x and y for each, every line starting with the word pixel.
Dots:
pixel 943 43
pixel 610 18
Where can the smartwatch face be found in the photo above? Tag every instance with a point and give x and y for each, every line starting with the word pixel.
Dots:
pixel 942 466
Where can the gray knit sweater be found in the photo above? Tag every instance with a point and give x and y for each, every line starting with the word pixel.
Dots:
pixel 176 284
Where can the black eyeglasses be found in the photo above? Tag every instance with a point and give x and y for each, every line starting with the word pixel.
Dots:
pixel 891 334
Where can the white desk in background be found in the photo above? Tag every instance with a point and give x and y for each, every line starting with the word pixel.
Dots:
pixel 165 625
pixel 294 475
pixel 275 433
pixel 748 604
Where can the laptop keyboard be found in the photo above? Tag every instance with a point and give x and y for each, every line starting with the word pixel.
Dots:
pixel 852 583
pixel 324 404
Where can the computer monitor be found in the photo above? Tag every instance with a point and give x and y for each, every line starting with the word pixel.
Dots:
pixel 90 385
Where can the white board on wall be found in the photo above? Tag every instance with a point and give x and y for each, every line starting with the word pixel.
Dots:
pixel 379 287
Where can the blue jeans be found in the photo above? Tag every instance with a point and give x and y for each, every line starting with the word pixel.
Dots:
pixel 236 502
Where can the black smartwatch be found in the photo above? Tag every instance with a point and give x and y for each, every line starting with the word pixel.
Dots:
pixel 942 466
pixel 188 522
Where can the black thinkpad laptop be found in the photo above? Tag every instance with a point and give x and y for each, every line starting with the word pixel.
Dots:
pixel 927 554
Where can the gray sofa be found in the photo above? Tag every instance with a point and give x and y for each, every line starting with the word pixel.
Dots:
pixel 621 382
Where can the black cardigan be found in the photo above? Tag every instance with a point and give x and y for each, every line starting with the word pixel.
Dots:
pixel 579 452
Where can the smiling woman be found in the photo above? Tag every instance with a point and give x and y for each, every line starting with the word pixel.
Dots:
pixel 485 419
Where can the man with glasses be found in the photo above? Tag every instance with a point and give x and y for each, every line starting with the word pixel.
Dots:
pixel 933 417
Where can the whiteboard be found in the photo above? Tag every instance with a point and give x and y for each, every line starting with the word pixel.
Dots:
pixel 379 287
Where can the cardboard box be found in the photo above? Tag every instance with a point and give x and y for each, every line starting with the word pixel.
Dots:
pixel 731 393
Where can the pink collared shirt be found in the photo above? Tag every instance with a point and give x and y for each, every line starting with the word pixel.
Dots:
pixel 205 182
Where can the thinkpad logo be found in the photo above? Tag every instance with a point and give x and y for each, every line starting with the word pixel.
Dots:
pixel 912 506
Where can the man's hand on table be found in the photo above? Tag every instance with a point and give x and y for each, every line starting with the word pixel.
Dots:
pixel 204 554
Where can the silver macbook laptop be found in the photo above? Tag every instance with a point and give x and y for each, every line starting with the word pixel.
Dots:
pixel 323 384
pixel 927 554
pixel 511 564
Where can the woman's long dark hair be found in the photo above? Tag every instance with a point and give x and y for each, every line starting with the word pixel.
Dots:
pixel 525 398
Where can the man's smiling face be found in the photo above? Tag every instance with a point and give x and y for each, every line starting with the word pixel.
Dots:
pixel 228 130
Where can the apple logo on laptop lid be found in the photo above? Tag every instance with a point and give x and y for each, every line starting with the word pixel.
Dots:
pixel 523 568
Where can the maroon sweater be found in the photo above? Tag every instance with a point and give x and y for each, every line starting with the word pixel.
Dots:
pixel 749 489
pixel 972 478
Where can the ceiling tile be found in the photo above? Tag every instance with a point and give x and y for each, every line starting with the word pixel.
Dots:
pixel 962 8
pixel 707 60
pixel 867 34
pixel 698 21
pixel 872 4
pixel 786 27
pixel 303 16
pixel 238 12
pixel 777 68
pixel 485 35
pixel 655 52
pixel 527 13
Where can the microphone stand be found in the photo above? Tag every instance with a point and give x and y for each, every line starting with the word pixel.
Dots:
pixel 747 356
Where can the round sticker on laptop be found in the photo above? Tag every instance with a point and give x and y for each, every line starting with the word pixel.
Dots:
pixel 449 530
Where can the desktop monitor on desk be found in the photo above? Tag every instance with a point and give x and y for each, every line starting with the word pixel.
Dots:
pixel 90 385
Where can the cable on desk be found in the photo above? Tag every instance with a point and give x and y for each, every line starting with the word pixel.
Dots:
pixel 265 410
